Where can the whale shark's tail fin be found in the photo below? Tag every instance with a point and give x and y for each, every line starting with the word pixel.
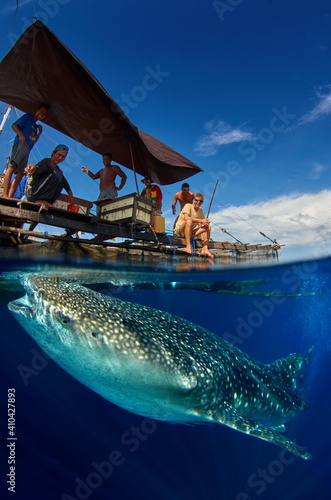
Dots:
pixel 291 369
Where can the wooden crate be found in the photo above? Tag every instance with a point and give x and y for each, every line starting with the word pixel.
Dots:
pixel 84 205
pixel 126 210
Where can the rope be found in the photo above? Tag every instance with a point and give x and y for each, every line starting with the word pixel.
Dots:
pixel 155 236
pixel 16 12
pixel 244 220
pixel 13 18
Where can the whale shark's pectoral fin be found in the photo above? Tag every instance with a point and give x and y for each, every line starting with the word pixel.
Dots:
pixel 278 428
pixel 231 417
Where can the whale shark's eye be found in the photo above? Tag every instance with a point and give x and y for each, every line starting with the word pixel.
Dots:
pixel 65 320
pixel 95 335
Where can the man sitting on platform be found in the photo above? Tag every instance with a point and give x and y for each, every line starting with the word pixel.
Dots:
pixel 47 180
pixel 192 222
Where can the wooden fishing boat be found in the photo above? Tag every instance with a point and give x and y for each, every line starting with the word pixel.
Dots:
pixel 40 68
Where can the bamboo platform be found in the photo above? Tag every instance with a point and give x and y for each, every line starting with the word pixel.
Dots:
pixel 136 236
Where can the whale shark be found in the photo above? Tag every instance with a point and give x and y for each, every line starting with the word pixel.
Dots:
pixel 159 365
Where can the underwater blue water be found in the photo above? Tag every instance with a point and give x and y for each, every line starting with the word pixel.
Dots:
pixel 73 444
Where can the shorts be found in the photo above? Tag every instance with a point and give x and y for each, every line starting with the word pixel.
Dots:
pixel 108 193
pixel 177 230
pixel 20 155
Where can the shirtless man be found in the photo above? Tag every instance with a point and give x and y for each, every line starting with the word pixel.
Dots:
pixel 107 176
pixel 192 222
pixel 184 196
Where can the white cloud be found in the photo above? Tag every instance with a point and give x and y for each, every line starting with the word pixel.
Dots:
pixel 218 134
pixel 322 108
pixel 317 171
pixel 295 220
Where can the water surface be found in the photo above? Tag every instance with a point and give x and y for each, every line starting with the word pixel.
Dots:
pixel 71 443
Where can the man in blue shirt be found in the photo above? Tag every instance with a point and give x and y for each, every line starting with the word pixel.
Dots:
pixel 27 134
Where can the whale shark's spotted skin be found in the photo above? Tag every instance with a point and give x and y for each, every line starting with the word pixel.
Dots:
pixel 159 365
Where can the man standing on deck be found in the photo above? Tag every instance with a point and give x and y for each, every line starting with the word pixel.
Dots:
pixel 107 176
pixel 153 193
pixel 27 134
pixel 184 196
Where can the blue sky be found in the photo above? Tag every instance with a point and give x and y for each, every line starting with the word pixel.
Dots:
pixel 245 93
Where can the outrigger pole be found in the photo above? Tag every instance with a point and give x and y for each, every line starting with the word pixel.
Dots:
pixel 5 118
pixel 273 241
pixel 225 231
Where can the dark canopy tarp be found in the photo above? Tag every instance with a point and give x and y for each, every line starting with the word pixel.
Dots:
pixel 41 69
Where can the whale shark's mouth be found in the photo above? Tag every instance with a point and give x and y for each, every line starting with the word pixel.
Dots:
pixel 22 307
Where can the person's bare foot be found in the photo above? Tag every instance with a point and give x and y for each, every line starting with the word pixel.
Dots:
pixel 207 253
pixel 188 249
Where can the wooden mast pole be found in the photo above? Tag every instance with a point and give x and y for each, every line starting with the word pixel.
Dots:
pixel 133 167
pixel 212 198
